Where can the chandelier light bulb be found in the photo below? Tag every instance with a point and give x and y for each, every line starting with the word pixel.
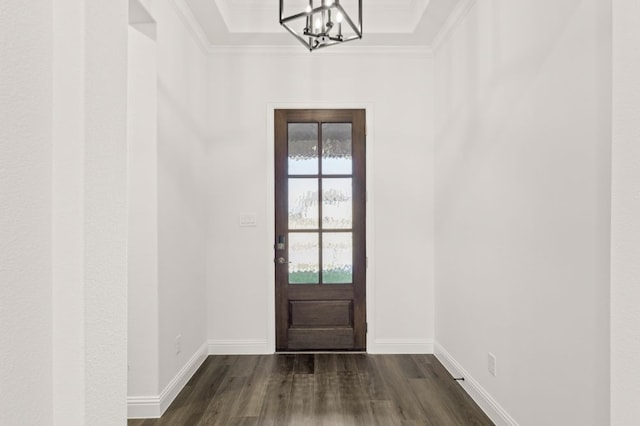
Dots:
pixel 308 9
pixel 339 17
pixel 318 23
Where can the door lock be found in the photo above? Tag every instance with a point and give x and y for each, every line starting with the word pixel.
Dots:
pixel 282 260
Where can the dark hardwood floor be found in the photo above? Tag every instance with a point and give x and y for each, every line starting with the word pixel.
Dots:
pixel 321 389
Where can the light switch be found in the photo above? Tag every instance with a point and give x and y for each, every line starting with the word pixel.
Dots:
pixel 247 220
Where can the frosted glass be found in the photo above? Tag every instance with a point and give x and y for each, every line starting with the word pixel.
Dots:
pixel 336 149
pixel 304 258
pixel 303 148
pixel 337 258
pixel 303 203
pixel 337 203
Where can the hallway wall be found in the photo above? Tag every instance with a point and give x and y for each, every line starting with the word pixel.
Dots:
pixel 168 281
pixel 182 220
pixel 25 213
pixel 142 198
pixel 396 87
pixel 625 221
pixel 522 158
pixel 63 212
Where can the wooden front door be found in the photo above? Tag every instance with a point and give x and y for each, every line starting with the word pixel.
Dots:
pixel 320 255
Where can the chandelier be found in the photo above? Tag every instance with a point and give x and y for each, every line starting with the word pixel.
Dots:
pixel 323 25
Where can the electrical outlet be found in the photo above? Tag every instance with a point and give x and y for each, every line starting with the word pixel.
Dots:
pixel 178 344
pixel 492 364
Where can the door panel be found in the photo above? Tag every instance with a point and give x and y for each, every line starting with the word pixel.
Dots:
pixel 320 229
pixel 320 313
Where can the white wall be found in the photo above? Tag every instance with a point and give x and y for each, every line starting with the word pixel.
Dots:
pixel 143 216
pixel 522 154
pixel 105 215
pixel 182 221
pixel 68 215
pixel 89 212
pixel 63 223
pixel 25 212
pixel 167 239
pixel 244 87
pixel 625 229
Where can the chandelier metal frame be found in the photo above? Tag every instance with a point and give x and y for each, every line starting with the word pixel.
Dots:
pixel 322 24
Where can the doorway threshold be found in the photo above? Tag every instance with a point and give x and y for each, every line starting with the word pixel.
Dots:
pixel 320 352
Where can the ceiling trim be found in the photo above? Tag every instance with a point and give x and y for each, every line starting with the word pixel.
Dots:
pixel 298 51
pixel 186 15
pixel 397 17
pixel 184 12
pixel 457 16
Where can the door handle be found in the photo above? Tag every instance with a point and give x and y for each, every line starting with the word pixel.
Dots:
pixel 281 260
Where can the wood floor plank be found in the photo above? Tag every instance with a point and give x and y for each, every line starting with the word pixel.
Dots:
pixel 304 364
pixel 385 413
pixel 243 421
pixel 252 397
pixel 434 404
pixel 406 402
pixel 355 405
pixel 301 401
pixel 459 401
pixel 408 366
pixel 244 365
pixel 141 422
pixel 371 379
pixel 327 406
pixel 223 406
pixel 191 403
pixel 203 391
pixel 325 363
pixel 276 401
pixel 321 389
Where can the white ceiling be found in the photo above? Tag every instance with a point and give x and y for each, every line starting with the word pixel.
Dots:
pixel 256 22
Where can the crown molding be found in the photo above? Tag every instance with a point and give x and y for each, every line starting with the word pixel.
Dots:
pixel 459 13
pixel 184 12
pixel 188 18
pixel 186 15
pixel 300 51
pixel 250 16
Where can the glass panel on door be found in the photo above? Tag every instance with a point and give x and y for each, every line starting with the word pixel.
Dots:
pixel 304 258
pixel 336 149
pixel 303 203
pixel 303 148
pixel 337 258
pixel 337 203
pixel 320 202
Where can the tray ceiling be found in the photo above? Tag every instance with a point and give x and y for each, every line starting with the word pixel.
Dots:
pixel 255 22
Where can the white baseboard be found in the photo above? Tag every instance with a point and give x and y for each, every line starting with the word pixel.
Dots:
pixel 143 407
pixel 152 407
pixel 488 404
pixel 239 347
pixel 402 346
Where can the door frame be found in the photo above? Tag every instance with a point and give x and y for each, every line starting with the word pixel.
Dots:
pixel 270 214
